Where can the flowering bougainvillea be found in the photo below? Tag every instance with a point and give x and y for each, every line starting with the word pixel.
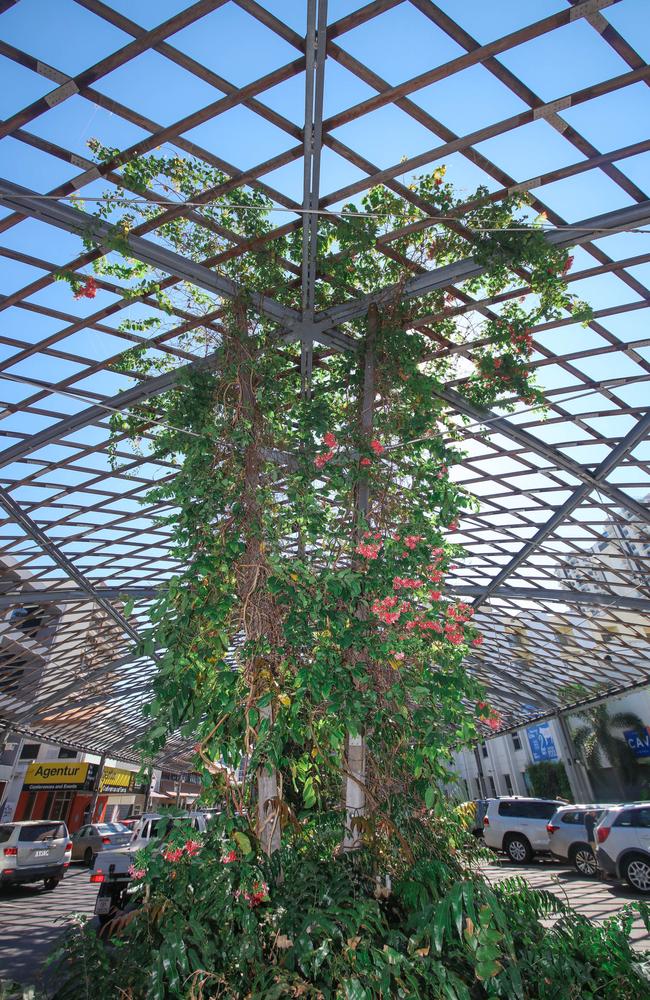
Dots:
pixel 315 528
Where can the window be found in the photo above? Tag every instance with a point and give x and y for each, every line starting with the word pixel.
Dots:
pixel 27 618
pixel 525 809
pixel 493 787
pixel 484 749
pixel 516 741
pixel 635 818
pixel 508 780
pixel 573 818
pixel 5 833
pixel 38 832
pixel 29 751
pixel 65 754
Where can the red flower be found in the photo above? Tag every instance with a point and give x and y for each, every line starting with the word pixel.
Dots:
pixel 173 855
pixel 229 858
pixel 330 440
pixel 322 460
pixel 365 461
pixel 191 847
pixel 478 641
pixel 377 447
pixel 88 290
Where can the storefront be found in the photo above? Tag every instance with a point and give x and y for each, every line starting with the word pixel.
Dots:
pixel 59 790
pixel 124 797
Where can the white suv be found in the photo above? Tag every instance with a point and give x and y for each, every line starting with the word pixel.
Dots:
pixel 517 826
pixel 623 844
pixel 34 851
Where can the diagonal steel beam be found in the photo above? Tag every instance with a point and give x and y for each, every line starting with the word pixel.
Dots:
pixel 584 231
pixel 27 202
pixel 32 529
pixel 552 455
pixel 640 431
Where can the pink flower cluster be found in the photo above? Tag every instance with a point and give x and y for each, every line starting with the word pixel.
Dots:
pixel 412 540
pixel 377 447
pixel 137 873
pixel 332 444
pixel 258 893
pixel 369 550
pixel 384 610
pixel 229 858
pixel 88 290
pixel 406 583
pixel 478 641
pixel 365 462
pixel 189 849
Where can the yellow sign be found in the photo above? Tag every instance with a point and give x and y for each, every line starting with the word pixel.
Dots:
pixel 114 779
pixel 59 773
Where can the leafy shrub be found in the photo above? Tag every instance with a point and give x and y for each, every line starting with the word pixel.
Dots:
pixel 383 922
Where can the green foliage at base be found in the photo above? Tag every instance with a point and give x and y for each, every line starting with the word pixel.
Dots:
pixel 549 781
pixel 409 918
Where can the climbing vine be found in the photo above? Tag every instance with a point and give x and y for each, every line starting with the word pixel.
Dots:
pixel 300 618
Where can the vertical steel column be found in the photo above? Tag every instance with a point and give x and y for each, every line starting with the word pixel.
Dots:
pixel 315 56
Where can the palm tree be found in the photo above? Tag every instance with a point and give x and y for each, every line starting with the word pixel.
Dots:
pixel 598 746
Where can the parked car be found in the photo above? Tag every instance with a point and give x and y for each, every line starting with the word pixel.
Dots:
pixel 111 870
pixel 568 837
pixel 517 825
pixel 623 844
pixel 34 851
pixel 94 838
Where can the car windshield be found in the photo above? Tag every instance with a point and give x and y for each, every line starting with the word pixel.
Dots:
pixel 41 831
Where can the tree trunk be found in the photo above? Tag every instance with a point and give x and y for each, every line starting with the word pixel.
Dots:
pixel 260 617
pixel 355 779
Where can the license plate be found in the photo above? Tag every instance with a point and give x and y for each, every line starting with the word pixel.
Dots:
pixel 41 854
pixel 103 904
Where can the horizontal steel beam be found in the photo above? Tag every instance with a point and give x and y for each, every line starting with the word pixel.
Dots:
pixel 600 600
pixel 462 270
pixel 67 596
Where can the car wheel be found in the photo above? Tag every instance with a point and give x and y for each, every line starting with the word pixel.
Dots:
pixel 88 857
pixel 636 871
pixel 518 849
pixel 584 860
pixel 51 883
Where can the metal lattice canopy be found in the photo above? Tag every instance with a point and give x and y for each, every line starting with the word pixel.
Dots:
pixel 313 107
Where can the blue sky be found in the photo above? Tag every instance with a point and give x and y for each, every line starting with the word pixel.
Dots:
pixel 397 46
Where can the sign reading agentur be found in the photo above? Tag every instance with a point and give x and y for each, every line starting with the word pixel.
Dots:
pixel 56 775
pixel 542 745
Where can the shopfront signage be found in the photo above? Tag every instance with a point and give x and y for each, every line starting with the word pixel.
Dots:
pixel 638 741
pixel 58 775
pixel 115 780
pixel 542 745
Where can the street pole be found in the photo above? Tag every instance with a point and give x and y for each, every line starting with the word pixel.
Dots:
pixel 98 778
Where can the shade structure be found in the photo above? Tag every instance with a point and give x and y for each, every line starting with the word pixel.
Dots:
pixel 313 106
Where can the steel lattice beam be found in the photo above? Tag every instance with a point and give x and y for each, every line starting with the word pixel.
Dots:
pixel 616 456
pixel 32 529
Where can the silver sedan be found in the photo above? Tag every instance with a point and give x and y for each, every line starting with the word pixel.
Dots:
pixel 91 840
